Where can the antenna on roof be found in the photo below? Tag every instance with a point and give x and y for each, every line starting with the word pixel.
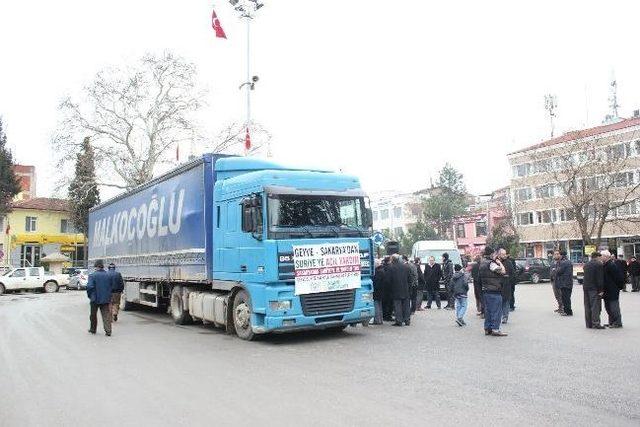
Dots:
pixel 550 104
pixel 613 100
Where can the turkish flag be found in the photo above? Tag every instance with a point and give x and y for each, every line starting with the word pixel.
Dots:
pixel 215 23
pixel 8 230
pixel 247 140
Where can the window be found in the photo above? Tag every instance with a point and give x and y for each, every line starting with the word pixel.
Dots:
pixel 623 179
pixel 626 210
pixel 34 272
pixel 460 230
pixel 522 170
pixel 481 228
pixel 375 215
pixel 19 273
pixel 567 215
pixel 525 218
pixel 384 214
pixel 397 212
pixel 545 191
pixel 542 166
pixel 592 183
pixel 523 194
pixel 66 226
pixel 547 216
pixel 30 223
pixel 618 151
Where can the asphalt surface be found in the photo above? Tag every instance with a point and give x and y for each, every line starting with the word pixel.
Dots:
pixel 548 371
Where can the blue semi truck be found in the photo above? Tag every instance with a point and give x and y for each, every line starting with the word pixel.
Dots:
pixel 242 243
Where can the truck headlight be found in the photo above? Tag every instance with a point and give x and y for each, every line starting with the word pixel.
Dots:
pixel 367 297
pixel 280 305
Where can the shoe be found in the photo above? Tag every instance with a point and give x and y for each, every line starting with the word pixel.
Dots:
pixel 407 323
pixel 428 307
pixel 512 309
pixel 91 332
pixel 463 322
pixel 396 324
pixel 108 334
pixel 598 327
pixel 615 326
pixel 459 322
pixel 566 314
pixel 487 331
pixel 115 317
pixel 558 310
pixel 439 308
pixel 499 333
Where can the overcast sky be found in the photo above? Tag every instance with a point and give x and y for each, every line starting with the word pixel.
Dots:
pixel 386 90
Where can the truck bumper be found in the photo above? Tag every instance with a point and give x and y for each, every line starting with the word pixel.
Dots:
pixel 301 322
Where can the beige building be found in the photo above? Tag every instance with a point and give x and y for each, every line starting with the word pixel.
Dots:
pixel 598 167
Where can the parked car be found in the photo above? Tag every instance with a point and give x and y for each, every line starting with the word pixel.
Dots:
pixel 72 271
pixel 79 279
pixel 32 278
pixel 533 269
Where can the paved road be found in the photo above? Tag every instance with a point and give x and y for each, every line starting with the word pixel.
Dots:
pixel 549 371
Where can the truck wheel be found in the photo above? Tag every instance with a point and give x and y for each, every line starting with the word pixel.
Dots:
pixel 50 287
pixel 2 289
pixel 242 316
pixel 535 278
pixel 179 314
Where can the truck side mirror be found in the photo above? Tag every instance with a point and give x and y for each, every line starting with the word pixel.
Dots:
pixel 256 205
pixel 368 218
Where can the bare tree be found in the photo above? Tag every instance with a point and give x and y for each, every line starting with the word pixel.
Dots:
pixel 135 115
pixel 597 178
pixel 231 139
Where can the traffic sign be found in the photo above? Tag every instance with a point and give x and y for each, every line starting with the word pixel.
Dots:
pixel 378 238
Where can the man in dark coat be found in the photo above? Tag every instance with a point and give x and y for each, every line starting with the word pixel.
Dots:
pixel 118 288
pixel 593 288
pixel 477 288
pixel 379 289
pixel 432 275
pixel 421 284
pixel 413 282
pixel 400 275
pixel 509 283
pixel 622 265
pixel 387 297
pixel 447 274
pixel 563 280
pixel 613 283
pixel 634 274
pixel 99 289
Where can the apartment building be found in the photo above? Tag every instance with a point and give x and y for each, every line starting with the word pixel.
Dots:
pixel 601 164
pixel 394 211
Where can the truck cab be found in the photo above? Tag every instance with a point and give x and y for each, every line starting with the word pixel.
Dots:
pixel 263 214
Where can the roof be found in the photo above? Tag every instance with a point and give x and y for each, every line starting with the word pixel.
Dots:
pixel 583 133
pixel 42 204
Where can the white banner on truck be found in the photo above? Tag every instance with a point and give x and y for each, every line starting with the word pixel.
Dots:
pixel 326 267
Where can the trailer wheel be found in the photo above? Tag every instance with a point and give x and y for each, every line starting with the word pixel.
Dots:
pixel 242 316
pixel 179 314
pixel 2 289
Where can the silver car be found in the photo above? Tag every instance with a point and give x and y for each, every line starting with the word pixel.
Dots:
pixel 79 280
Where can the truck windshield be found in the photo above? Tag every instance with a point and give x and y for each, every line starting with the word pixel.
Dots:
pixel 315 216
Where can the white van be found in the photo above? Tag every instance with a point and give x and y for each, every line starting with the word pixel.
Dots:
pixel 423 249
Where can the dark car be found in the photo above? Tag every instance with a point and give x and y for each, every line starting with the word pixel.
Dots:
pixel 533 269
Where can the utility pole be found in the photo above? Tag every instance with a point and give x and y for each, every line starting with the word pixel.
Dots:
pixel 247 10
pixel 550 104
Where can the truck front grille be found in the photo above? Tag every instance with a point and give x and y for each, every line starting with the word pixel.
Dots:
pixel 328 302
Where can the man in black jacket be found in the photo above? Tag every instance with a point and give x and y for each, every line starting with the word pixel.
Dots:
pixel 509 283
pixel 477 288
pixel 563 280
pixel 634 274
pixel 118 288
pixel 622 265
pixel 379 287
pixel 432 275
pixel 447 274
pixel 613 283
pixel 491 275
pixel 593 288
pixel 420 291
pixel 400 276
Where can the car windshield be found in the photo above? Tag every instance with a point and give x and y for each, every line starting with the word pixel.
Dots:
pixel 316 215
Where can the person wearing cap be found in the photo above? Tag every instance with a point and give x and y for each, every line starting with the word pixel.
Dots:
pixel 99 289
pixel 116 293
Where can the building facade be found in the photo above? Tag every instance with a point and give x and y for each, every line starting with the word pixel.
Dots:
pixel 601 165
pixel 37 227
pixel 394 212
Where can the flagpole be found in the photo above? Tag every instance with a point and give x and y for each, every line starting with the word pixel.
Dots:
pixel 248 86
